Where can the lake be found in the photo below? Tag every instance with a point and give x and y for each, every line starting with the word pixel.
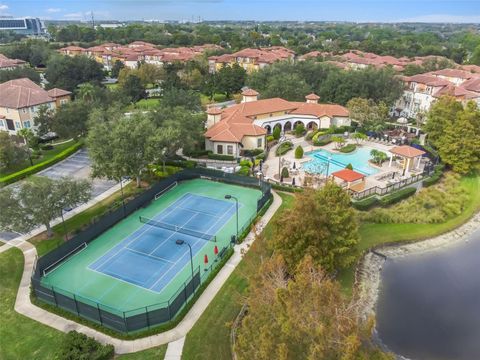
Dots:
pixel 429 304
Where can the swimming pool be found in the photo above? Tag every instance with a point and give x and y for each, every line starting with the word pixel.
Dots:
pixel 338 161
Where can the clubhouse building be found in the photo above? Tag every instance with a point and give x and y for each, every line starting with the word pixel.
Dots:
pixel 244 126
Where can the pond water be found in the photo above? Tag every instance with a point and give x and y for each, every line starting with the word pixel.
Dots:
pixel 338 161
pixel 429 305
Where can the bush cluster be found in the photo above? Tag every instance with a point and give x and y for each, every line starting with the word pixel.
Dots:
pixel 365 204
pixel 220 157
pixel 298 152
pixel 78 346
pixel 283 148
pixel 397 196
pixel 436 176
pixel 348 148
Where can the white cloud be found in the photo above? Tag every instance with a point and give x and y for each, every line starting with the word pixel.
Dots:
pixel 3 7
pixel 443 18
pixel 74 16
pixel 53 10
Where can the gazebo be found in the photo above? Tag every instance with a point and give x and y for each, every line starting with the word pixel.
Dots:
pixel 408 154
pixel 354 180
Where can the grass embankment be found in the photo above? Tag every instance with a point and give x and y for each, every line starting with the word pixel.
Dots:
pixel 80 221
pixel 377 234
pixel 210 337
pixel 21 337
pixel 157 353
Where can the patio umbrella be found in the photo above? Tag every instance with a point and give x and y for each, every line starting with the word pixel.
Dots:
pixel 294 165
pixel 293 181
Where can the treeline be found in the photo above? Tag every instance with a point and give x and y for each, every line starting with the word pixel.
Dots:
pixel 456 42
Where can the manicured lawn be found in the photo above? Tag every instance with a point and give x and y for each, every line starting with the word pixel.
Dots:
pixel 79 221
pixel 46 155
pixel 210 337
pixel 376 234
pixel 157 353
pixel 21 337
pixel 145 104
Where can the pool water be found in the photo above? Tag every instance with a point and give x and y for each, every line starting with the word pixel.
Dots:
pixel 323 159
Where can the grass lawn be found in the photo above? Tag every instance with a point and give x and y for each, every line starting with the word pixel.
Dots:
pixel 21 337
pixel 112 86
pixel 376 234
pixel 79 221
pixel 205 100
pixel 157 353
pixel 144 104
pixel 210 337
pixel 46 155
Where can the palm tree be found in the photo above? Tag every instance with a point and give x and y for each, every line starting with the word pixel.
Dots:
pixel 358 137
pixel 86 92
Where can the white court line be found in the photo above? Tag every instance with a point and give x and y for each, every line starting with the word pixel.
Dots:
pixel 149 255
pixel 196 241
pixel 147 229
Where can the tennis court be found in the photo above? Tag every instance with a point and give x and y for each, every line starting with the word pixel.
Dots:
pixel 144 259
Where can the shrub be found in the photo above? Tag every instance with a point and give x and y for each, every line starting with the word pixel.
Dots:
pixel 78 346
pixel 317 134
pixel 220 157
pixel 246 163
pixel 397 196
pixel 348 148
pixel 298 152
pixel 436 176
pixel 260 156
pixel 196 153
pixel 285 173
pixel 283 148
pixel 276 132
pixel 322 142
pixel 270 138
pixel 365 204
pixel 349 166
pixel 299 130
pixel 378 157
pixel 187 164
pixel 252 153
pixel 286 188
pixel 9 179
pixel 310 135
pixel 244 171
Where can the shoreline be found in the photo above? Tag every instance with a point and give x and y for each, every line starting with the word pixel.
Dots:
pixel 369 270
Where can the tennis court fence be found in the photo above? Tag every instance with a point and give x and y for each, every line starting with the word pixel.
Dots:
pixel 145 317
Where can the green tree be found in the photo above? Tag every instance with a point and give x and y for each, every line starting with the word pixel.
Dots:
pixel 78 346
pixel 358 136
pixel 70 120
pixel 43 120
pixel 368 114
pixel 29 140
pixel 67 72
pixel 299 130
pixel 20 72
pixel 230 79
pixel 321 224
pixel 289 86
pixel 86 92
pixel 133 89
pixel 38 201
pixel 441 114
pixel 378 157
pixel 117 66
pixel 188 99
pixel 338 140
pixel 277 132
pixel 475 57
pixel 10 153
pixel 301 313
pixel 298 152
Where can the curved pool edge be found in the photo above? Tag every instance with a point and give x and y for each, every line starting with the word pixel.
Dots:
pixel 368 274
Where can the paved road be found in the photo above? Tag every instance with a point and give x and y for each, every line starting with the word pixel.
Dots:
pixel 76 166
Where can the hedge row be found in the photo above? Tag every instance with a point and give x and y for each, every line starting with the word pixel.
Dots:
pixel 283 148
pixel 286 188
pixel 40 166
pixel 220 157
pixel 365 204
pixel 397 196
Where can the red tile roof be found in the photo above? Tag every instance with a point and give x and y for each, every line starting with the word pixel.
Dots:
pixel 312 96
pixel 249 92
pixel 56 92
pixel 407 151
pixel 5 62
pixel 348 175
pixel 20 93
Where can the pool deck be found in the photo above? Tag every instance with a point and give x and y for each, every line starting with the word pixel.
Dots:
pixel 270 168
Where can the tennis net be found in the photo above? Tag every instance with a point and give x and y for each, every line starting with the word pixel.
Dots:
pixel 179 229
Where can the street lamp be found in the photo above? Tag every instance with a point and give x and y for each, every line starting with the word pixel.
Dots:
pixel 228 197
pixel 180 242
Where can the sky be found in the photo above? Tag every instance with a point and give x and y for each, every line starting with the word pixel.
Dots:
pixel 456 11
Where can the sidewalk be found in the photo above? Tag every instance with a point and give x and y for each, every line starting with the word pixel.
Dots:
pixel 25 307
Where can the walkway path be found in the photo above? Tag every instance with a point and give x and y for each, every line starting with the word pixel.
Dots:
pixel 24 306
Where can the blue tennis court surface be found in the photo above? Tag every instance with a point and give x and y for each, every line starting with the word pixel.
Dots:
pixel 150 258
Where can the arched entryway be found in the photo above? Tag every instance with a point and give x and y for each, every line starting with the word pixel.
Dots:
pixel 287 126
pixel 312 125
pixel 279 126
pixel 268 128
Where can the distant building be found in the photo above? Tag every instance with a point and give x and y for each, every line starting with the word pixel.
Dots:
pixel 23 26
pixel 251 59
pixel 10 64
pixel 20 101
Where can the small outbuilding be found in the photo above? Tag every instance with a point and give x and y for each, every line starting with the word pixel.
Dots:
pixel 409 156
pixel 349 179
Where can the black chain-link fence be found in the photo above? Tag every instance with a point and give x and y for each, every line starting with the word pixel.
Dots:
pixel 145 317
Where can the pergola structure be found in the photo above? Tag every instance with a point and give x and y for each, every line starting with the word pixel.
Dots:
pixel 354 180
pixel 408 154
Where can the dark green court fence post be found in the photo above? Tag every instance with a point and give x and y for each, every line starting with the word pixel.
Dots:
pixel 125 322
pixel 148 318
pixel 169 312
pixel 99 314
pixel 54 297
pixel 76 305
